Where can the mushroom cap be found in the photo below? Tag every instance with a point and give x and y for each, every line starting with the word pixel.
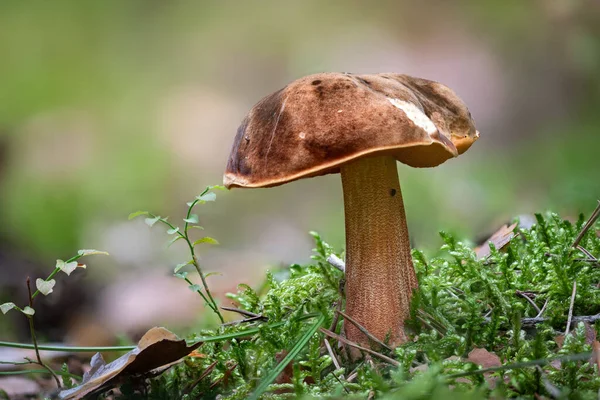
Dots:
pixel 319 122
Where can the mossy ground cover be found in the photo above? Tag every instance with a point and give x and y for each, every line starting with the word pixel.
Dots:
pixel 514 304
pixel 480 327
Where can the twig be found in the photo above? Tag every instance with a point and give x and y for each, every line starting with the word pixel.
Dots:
pixel 589 255
pixel 588 225
pixel 523 364
pixel 528 322
pixel 229 371
pixel 336 262
pixel 522 294
pixel 203 375
pixel 242 321
pixel 340 382
pixel 352 344
pixel 243 312
pixel 34 338
pixel 336 316
pixel 363 330
pixel 332 354
pixel 571 308
pixel 543 308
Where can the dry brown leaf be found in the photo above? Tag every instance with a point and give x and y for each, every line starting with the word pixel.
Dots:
pixel 157 348
pixel 559 340
pixel 484 358
pixel 499 239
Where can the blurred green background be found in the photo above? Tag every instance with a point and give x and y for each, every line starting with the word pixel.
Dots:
pixel 112 106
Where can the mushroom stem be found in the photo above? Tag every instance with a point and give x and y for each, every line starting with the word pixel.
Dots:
pixel 380 276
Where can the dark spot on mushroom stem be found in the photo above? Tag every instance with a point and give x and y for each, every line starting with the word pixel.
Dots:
pixel 392 192
pixel 316 82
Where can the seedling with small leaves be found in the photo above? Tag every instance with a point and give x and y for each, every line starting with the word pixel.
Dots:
pixel 191 221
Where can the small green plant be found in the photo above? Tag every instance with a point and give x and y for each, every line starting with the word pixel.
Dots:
pixel 190 222
pixel 45 287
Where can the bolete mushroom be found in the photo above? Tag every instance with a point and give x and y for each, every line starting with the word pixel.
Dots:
pixel 359 126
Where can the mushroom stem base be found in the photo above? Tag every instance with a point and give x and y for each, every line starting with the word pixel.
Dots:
pixel 380 276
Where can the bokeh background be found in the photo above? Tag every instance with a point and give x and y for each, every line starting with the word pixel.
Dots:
pixel 109 107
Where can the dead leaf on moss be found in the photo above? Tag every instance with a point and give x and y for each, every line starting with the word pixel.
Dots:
pixel 157 348
pixel 484 358
pixel 499 239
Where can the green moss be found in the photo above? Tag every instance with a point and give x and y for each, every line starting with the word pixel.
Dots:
pixel 462 303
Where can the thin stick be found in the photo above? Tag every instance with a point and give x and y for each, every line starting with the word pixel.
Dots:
pixel 203 375
pixel 588 225
pixel 229 371
pixel 587 253
pixel 529 300
pixel 538 320
pixel 332 355
pixel 571 308
pixel 34 338
pixel 242 312
pixel 352 344
pixel 242 321
pixel 336 316
pixel 363 330
pixel 543 309
pixel 340 382
pixel 336 262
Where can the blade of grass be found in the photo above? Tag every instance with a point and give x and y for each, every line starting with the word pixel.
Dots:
pixel 299 345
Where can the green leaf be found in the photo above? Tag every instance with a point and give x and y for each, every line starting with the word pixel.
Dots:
pixel 176 238
pixel 193 219
pixel 206 239
pixel 67 268
pixel 173 231
pixel 151 221
pixel 28 311
pixel 137 214
pixel 45 287
pixel 298 346
pixel 179 266
pixel 210 196
pixel 218 187
pixel 213 273
pixel 195 288
pixel 197 227
pixel 181 275
pixel 6 307
pixel 91 252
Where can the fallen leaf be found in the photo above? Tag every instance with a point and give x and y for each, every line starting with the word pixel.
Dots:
pixel 157 348
pixel 484 358
pixel 499 239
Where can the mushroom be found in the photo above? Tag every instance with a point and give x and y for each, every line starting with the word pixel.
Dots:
pixel 358 126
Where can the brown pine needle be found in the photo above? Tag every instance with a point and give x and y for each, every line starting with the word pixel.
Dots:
pixel 587 225
pixel 363 330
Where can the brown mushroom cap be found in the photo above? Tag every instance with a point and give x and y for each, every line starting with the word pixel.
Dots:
pixel 316 123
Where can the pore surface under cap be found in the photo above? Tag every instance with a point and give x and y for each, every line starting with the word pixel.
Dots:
pixel 316 123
